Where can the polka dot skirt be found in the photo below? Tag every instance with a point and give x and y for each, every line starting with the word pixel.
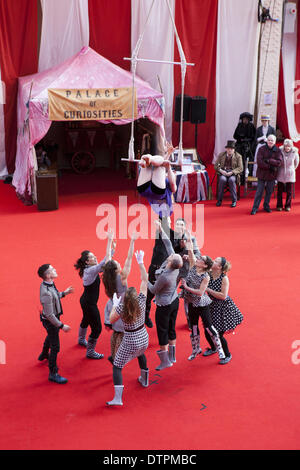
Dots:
pixel 225 315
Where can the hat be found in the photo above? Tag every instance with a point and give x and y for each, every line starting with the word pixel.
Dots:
pixel 230 144
pixel 246 115
pixel 265 117
pixel 42 269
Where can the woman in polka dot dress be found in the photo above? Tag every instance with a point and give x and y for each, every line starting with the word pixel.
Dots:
pixel 226 316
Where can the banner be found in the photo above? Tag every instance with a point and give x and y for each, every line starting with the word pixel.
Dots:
pixel 103 104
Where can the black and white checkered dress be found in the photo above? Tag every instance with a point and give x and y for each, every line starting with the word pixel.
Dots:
pixel 225 315
pixel 194 280
pixel 134 343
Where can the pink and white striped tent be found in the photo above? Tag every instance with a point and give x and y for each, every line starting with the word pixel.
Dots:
pixel 85 70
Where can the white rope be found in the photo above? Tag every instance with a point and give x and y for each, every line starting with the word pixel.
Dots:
pixel 133 69
pixel 134 60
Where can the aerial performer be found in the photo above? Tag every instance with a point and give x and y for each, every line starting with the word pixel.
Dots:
pixel 157 181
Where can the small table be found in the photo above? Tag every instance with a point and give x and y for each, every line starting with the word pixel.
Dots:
pixel 191 187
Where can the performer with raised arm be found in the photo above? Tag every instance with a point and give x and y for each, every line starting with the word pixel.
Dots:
pixel 135 340
pixel 167 303
pixel 88 269
pixel 226 316
pixel 195 286
pixel 114 279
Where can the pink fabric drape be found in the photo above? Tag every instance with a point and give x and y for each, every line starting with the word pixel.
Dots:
pixel 18 56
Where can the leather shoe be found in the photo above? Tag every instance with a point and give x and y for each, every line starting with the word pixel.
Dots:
pixel 57 378
pixel 233 204
pixel 267 209
pixel 279 209
pixel 253 212
pixel 219 203
pixel 287 209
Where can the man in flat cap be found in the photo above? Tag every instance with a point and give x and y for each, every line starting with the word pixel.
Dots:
pixel 50 318
pixel 263 131
pixel 229 166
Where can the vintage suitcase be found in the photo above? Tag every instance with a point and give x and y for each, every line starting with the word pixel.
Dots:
pixel 46 190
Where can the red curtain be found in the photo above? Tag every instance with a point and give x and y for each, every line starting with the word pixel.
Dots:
pixel 282 121
pixel 110 30
pixel 18 57
pixel 196 24
pixel 297 74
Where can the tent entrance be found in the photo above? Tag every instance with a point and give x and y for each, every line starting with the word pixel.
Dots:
pixel 93 151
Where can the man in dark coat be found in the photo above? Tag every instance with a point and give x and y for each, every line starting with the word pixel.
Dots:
pixel 269 159
pixel 244 135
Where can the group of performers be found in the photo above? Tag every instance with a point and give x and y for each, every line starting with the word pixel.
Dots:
pixel 176 266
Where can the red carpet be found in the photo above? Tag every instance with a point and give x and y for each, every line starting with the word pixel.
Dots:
pixel 251 403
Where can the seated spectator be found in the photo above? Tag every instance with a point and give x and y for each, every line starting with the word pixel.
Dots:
pixel 43 160
pixel 229 165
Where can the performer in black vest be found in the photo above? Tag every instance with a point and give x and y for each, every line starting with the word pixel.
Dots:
pixel 50 318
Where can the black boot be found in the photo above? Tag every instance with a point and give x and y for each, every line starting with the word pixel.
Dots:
pixel 55 377
pixel 44 355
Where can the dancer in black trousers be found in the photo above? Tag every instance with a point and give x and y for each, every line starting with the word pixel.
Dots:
pixel 89 269
pixel 195 286
pixel 159 255
pixel 167 303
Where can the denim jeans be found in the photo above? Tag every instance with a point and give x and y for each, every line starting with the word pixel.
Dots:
pixel 261 185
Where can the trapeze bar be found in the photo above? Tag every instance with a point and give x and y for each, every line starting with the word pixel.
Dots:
pixel 134 160
pixel 159 61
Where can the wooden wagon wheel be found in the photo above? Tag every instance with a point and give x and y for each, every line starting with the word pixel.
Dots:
pixel 83 162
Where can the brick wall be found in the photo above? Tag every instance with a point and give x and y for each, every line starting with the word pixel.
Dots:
pixel 269 59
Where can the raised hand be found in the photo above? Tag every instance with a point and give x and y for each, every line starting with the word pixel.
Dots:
pixel 139 256
pixel 110 234
pixel 116 300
